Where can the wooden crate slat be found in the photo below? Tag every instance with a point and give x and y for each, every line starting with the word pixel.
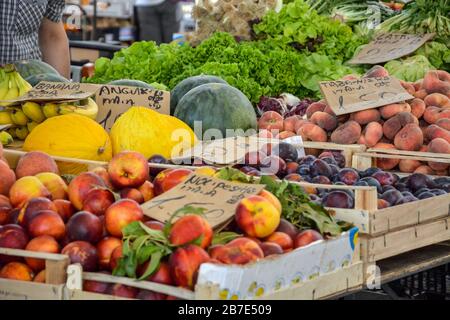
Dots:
pixel 24 290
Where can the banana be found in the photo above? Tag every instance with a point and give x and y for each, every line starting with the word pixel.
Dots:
pixel 90 110
pixel 5 138
pixel 5 117
pixel 13 85
pixel 50 110
pixel 18 117
pixel 13 90
pixel 31 125
pixel 12 132
pixel 33 111
pixel 22 84
pixel 22 132
pixel 4 86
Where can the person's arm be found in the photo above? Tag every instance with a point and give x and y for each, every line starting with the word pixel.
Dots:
pixel 54 46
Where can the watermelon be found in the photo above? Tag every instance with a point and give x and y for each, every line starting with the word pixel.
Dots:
pixel 218 106
pixel 51 77
pixel 28 68
pixel 188 84
pixel 131 83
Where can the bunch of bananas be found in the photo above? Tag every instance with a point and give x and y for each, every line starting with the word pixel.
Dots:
pixel 12 85
pixel 26 117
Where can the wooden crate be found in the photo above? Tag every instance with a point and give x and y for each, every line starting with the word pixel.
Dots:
pixel 55 276
pixel 335 283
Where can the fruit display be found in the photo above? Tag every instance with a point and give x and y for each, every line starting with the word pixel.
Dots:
pixel 414 125
pixel 97 222
pixel 12 85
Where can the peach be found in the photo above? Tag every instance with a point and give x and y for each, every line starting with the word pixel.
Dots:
pixel 184 264
pixel 439 145
pixel 13 237
pixel 160 275
pixel 155 225
pixel 35 162
pixel 312 132
pixel 347 133
pixel 443 75
pixel 120 290
pixel 4 201
pixel 271 198
pixel 306 237
pixel 128 169
pixel 80 186
pixel 420 94
pixel 409 166
pixel 409 87
pixel 5 214
pixel 84 226
pixel 444 123
pixel 284 135
pixel 329 111
pixel 288 228
pixel 116 255
pixel 393 125
pixel 237 251
pixel 32 207
pixel 102 172
pixel 41 244
pixel 290 122
pixel 324 120
pixel 392 109
pixel 410 138
pixel 8 178
pixel 439 167
pixel 385 163
pixel 300 124
pixel 147 190
pixel 191 228
pixel 84 253
pixel 424 169
pixel 25 189
pixel 168 179
pixel 105 248
pixel 47 222
pixel 270 248
pixel 257 217
pixel 433 131
pixel 17 271
pixel 98 200
pixel 282 239
pixel 433 83
pixel 40 277
pixel 376 72
pixel 54 183
pixel 365 116
pixel 133 194
pixel 437 100
pixel 120 214
pixel 64 208
pixel 272 121
pixel 382 204
pixel 417 85
pixel 315 107
pixel 96 286
pixel 433 114
pixel 417 107
pixel 372 133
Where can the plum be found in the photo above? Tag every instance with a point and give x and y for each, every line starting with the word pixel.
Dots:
pixel 158 159
pixel 419 191
pixel 273 165
pixel 419 180
pixel 406 200
pixel 348 176
pixel 372 182
pixel 384 178
pixel 369 172
pixel 320 168
pixel 338 199
pixel 334 170
pixel 307 160
pixel 442 180
pixel 425 195
pixel 386 188
pixel 403 180
pixel 329 160
pixel 303 170
pixel 407 194
pixel 392 196
pixel 446 187
pixel 285 151
pixel 321 180
pixel 438 192
pixel 337 155
pixel 361 183
pixel 401 187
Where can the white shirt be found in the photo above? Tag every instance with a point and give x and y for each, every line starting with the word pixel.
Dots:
pixel 148 2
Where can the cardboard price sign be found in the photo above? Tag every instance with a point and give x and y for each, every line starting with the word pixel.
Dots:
pixel 346 96
pixel 219 197
pixel 115 100
pixel 390 46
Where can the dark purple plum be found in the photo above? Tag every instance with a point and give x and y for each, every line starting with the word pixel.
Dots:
pixel 396 177
pixel 369 172
pixel 158 159
pixel 442 180
pixel 401 187
pixel 361 183
pixel 438 192
pixel 348 176
pixel 307 160
pixel 329 160
pixel 339 157
pixel 406 200
pixel 386 188
pixel 285 151
pixel 425 195
pixel 392 196
pixel 446 187
pixel 247 169
pixel 407 194
pixel 403 180
pixel 334 170
pixel 419 180
pixel 320 168
pixel 372 182
pixel 384 178
pixel 321 180
pixel 303 170
pixel 421 190
pixel 273 165
pixel 338 199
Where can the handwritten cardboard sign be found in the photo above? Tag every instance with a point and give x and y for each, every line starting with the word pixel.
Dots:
pixel 346 96
pixel 390 46
pixel 219 197
pixel 113 101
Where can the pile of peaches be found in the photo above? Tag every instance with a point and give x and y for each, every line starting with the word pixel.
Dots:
pixel 419 124
pixel 84 219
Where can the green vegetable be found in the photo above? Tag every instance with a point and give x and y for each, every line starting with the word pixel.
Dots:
pixel 437 53
pixel 409 69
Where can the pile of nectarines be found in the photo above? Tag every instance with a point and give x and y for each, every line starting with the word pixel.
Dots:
pixel 419 124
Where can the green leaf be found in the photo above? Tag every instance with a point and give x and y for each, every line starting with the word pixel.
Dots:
pixel 139 242
pixel 224 237
pixel 152 266
pixel 145 252
pixel 131 264
pixel 133 229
